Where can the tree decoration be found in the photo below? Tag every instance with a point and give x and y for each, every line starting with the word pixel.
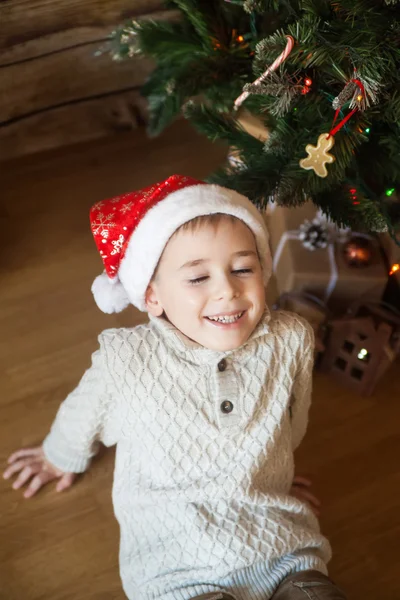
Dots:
pixel 307 85
pixel 318 156
pixel 314 234
pixel 277 62
pixel 361 91
pixel 345 95
pixel 358 252
pixel 283 88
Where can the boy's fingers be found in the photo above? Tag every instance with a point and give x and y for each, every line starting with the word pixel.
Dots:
pixel 23 453
pixel 15 467
pixel 25 474
pixel 65 482
pixel 52 469
pixel 316 509
pixel 37 482
pixel 309 497
pixel 300 480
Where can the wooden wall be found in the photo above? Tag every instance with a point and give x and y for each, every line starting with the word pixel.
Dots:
pixel 53 89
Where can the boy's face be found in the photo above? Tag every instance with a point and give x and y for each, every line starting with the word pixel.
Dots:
pixel 210 273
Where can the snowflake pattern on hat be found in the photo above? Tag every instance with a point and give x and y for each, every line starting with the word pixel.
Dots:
pixel 113 221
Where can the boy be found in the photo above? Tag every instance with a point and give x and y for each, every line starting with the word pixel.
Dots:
pixel 205 403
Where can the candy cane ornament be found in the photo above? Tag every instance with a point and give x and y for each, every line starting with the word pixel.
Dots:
pixel 281 58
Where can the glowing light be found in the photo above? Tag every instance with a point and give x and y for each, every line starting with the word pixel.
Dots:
pixel 240 38
pixel 367 130
pixel 359 97
pixel 362 355
pixel 390 192
pixel 308 81
pixel 394 269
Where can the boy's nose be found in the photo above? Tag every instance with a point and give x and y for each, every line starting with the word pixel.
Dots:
pixel 226 289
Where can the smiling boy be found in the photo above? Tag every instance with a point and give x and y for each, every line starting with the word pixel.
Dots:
pixel 206 404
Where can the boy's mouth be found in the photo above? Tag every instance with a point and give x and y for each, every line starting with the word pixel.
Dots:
pixel 227 318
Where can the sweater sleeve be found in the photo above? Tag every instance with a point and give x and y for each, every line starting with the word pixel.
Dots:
pixel 302 386
pixel 79 424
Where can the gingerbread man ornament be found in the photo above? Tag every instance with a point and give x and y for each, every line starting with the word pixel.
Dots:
pixel 318 155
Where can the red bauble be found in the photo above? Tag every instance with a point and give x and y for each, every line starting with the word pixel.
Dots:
pixel 358 252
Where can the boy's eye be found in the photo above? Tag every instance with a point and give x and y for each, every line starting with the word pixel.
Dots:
pixel 243 271
pixel 201 279
pixel 198 280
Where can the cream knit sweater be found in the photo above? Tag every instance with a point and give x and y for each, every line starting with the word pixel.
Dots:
pixel 201 495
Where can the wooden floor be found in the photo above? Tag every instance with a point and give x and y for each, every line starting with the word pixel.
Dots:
pixel 65 546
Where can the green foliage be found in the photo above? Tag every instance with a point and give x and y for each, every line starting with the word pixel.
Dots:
pixel 201 58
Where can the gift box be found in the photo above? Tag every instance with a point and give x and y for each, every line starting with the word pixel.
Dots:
pixel 313 310
pixel 322 272
pixel 392 252
pixel 254 127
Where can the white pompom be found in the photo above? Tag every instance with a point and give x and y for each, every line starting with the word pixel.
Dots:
pixel 109 294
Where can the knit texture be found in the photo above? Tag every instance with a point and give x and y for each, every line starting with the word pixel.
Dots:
pixel 201 495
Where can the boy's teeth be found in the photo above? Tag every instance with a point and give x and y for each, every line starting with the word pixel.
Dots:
pixel 230 319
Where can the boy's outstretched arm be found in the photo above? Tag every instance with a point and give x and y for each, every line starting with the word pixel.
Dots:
pixel 74 436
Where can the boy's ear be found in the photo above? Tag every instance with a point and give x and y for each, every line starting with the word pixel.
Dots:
pixel 152 302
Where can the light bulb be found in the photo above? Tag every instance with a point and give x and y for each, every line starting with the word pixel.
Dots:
pixel 394 269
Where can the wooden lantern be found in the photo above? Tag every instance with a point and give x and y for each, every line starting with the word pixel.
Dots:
pixel 361 346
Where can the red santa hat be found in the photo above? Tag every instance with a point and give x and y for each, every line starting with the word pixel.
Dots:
pixel 132 230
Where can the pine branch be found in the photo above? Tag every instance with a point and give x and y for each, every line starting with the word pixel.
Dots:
pixel 167 42
pixel 270 6
pixel 281 88
pixel 195 13
pixel 215 126
pixel 335 42
pixel 163 110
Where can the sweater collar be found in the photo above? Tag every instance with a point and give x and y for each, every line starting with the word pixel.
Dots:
pixel 193 351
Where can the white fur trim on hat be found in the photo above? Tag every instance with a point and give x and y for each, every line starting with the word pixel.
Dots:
pixel 109 294
pixel 148 241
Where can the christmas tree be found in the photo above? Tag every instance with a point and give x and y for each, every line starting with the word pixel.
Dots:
pixel 314 72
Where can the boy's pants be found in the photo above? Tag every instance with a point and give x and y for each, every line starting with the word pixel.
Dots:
pixel 307 585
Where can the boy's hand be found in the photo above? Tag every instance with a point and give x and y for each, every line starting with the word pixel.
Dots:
pixel 301 490
pixel 31 464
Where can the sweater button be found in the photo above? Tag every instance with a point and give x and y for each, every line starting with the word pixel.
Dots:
pixel 222 365
pixel 226 406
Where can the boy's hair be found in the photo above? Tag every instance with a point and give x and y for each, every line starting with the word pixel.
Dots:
pixel 214 220
pixel 195 224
